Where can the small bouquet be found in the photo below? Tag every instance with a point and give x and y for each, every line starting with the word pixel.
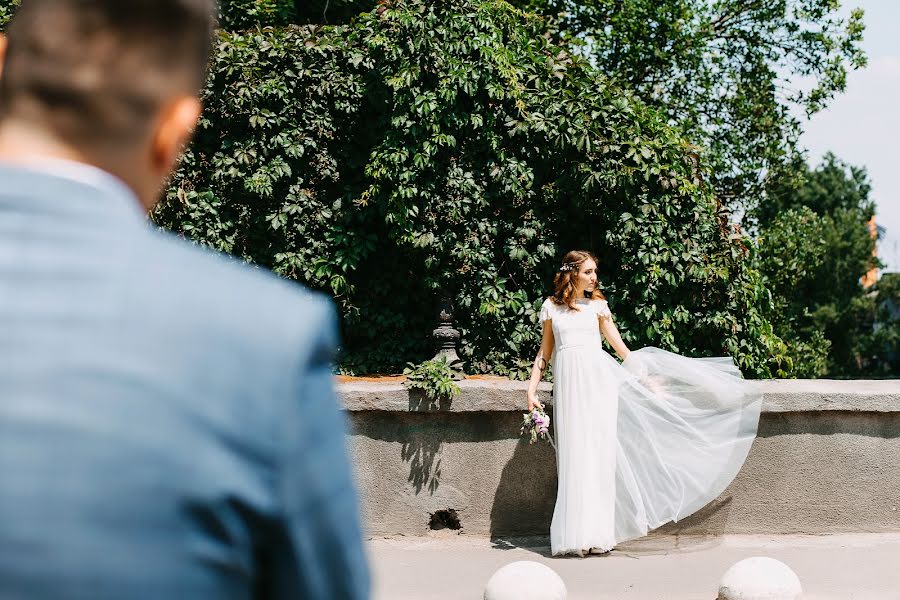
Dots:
pixel 536 424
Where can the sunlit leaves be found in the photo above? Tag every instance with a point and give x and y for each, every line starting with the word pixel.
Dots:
pixel 453 149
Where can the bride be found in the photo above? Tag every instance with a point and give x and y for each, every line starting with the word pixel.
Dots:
pixel 638 444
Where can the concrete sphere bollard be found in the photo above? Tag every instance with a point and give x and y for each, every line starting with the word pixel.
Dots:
pixel 759 578
pixel 525 580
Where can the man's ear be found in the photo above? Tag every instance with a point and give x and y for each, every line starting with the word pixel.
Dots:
pixel 174 129
pixel 2 52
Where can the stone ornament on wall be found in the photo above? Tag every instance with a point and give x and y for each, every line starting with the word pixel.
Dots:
pixel 446 337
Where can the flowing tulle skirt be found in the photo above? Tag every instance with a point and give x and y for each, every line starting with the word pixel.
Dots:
pixel 644 442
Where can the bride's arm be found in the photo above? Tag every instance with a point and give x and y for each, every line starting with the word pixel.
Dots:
pixel 540 364
pixel 611 333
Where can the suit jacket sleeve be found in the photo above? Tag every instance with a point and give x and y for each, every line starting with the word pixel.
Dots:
pixel 324 556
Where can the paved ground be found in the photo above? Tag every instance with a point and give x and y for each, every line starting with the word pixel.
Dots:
pixel 834 567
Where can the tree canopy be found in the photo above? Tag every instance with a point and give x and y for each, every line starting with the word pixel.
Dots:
pixel 724 71
pixel 454 147
pixel 814 246
pixel 459 147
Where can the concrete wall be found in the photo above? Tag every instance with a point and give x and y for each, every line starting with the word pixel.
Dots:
pixel 826 460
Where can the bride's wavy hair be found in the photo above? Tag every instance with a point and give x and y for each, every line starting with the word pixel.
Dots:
pixel 565 278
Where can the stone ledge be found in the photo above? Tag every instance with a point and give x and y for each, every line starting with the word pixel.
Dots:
pixel 503 395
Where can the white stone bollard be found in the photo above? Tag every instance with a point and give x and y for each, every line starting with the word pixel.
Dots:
pixel 759 578
pixel 525 580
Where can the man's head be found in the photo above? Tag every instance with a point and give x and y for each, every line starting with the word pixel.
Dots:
pixel 113 83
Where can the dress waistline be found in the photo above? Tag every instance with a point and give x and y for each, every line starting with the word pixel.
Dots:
pixel 578 345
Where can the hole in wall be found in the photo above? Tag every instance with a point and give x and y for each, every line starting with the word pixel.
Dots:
pixel 444 519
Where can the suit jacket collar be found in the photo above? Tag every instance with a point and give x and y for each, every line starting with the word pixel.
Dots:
pixel 67 188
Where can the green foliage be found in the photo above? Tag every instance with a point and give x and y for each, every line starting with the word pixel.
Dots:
pixel 245 14
pixel 879 353
pixel 434 377
pixel 451 146
pixel 791 253
pixel 331 12
pixel 833 185
pixel 815 247
pixel 842 307
pixel 724 70
pixel 6 10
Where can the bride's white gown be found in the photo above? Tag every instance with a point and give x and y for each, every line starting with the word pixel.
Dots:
pixel 640 443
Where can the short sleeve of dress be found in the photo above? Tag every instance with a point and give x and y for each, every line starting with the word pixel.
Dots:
pixel 602 308
pixel 547 310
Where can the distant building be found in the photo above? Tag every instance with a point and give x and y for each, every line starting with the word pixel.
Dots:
pixel 877 232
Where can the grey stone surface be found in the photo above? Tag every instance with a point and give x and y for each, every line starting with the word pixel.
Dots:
pixel 833 567
pixel 780 395
pixel 826 460
pixel 476 396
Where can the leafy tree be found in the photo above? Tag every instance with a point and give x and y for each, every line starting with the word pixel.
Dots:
pixel 815 248
pixel 451 147
pixel 331 12
pixel 879 352
pixel 791 253
pixel 832 186
pixel 723 70
pixel 247 14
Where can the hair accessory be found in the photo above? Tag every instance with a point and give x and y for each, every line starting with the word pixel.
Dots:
pixel 572 266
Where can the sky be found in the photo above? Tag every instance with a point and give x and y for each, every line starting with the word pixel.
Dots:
pixel 862 126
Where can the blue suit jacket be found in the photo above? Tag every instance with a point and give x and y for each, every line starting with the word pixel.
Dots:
pixel 168 423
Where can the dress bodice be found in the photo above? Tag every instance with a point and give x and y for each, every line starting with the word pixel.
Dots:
pixel 575 328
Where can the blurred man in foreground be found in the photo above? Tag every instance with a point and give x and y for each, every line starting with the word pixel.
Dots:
pixel 168 423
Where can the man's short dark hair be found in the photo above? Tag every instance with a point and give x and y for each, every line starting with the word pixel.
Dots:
pixel 95 71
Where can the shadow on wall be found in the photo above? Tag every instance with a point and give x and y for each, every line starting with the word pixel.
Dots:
pixel 463 462
pixel 420 449
pixel 424 435
pixel 526 494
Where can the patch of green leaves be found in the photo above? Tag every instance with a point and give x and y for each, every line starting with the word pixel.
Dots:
pixel 434 377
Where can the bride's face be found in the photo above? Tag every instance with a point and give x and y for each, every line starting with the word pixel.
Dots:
pixel 587 276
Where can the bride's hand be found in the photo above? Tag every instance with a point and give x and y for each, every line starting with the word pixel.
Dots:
pixel 533 403
pixel 634 365
pixel 653 384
